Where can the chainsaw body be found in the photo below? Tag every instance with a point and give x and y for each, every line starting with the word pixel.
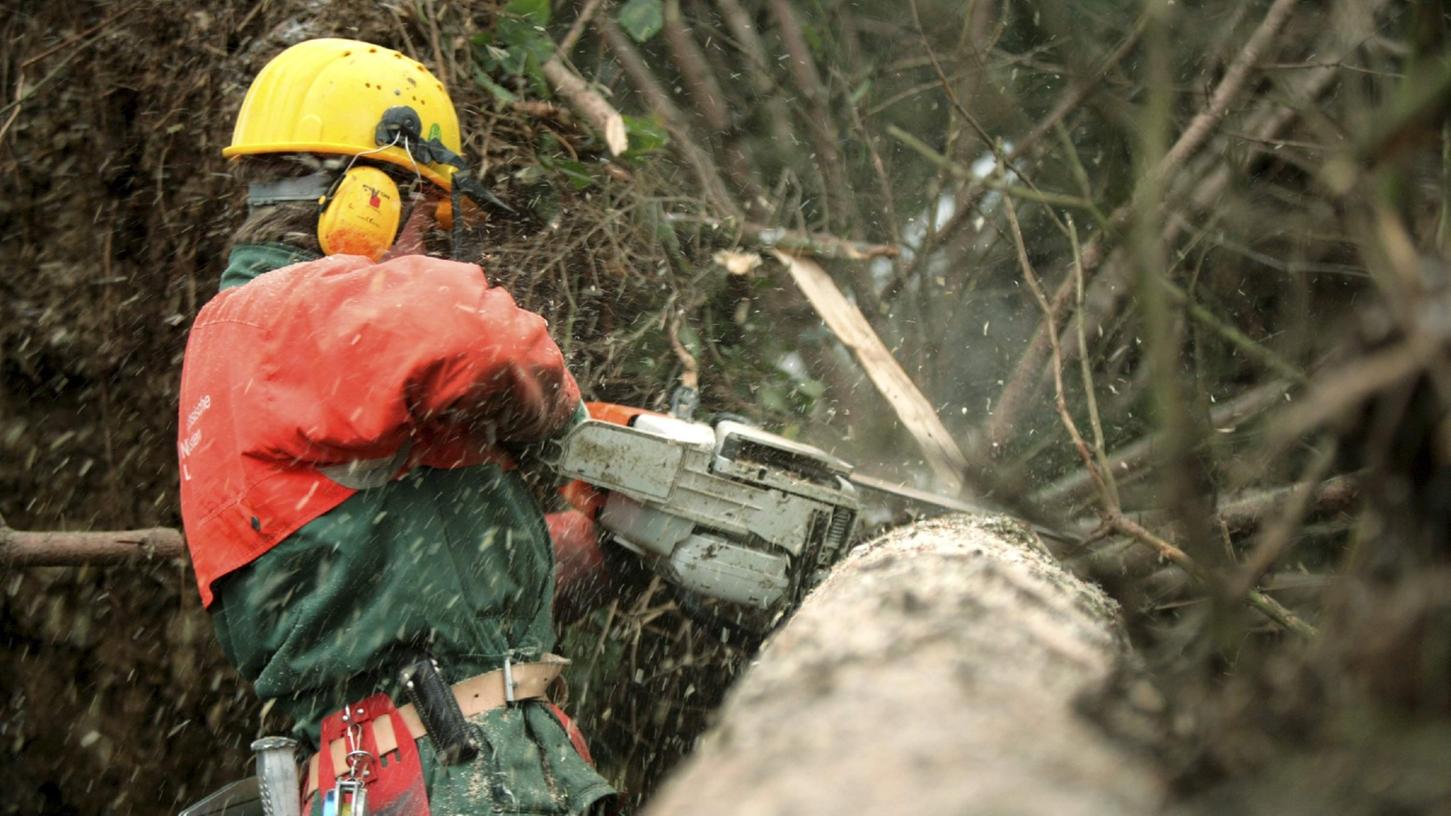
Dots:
pixel 728 512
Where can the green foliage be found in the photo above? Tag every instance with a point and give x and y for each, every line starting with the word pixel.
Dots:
pixel 647 135
pixel 518 46
pixel 534 12
pixel 497 91
pixel 642 19
pixel 573 170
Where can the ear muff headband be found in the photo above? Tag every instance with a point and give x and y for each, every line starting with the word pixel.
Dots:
pixel 360 214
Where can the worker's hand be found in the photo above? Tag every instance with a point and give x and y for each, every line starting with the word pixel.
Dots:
pixel 580 573
pixel 584 497
pixel 589 571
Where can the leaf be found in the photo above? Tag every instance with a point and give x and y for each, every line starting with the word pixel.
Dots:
pixel 772 396
pixel 577 173
pixel 534 12
pixel 498 91
pixel 641 18
pixel 811 388
pixel 646 135
pixel 524 41
pixel 520 30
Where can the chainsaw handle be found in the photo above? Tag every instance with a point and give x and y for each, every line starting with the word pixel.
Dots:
pixel 581 495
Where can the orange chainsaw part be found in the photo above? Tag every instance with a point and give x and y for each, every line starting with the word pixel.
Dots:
pixel 616 413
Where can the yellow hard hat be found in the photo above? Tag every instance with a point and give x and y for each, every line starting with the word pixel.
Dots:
pixel 346 97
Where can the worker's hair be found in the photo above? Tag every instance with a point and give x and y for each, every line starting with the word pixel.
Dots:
pixel 295 224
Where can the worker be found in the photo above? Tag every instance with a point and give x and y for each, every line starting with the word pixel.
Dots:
pixel 352 411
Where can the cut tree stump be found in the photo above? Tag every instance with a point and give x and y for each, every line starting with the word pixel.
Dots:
pixel 939 670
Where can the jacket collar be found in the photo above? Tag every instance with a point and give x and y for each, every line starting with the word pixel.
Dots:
pixel 247 261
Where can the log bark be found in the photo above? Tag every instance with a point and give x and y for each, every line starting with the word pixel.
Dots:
pixel 65 549
pixel 939 670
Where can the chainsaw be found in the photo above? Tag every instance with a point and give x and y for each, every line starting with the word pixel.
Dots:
pixel 739 520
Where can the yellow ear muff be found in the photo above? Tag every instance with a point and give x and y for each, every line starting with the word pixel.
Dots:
pixel 360 215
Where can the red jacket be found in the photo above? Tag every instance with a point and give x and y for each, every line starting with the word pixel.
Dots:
pixel 414 361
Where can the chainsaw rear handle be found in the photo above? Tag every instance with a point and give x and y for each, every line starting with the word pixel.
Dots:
pixel 581 495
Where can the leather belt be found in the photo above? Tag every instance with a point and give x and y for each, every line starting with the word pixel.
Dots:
pixel 480 693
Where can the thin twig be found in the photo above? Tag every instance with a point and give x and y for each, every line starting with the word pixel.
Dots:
pixel 1027 144
pixel 69 41
pixel 1108 494
pixel 962 172
pixel 1261 602
pixel 695 72
pixel 576 29
pixel 819 244
pixel 821 125
pixel 1229 87
pixel 645 81
pixel 1025 375
pixel 1100 451
pixel 1110 511
pixel 1138 456
pixel 710 101
pixel 435 39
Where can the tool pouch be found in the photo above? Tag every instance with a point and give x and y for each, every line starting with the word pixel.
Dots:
pixel 454 740
pixel 391 770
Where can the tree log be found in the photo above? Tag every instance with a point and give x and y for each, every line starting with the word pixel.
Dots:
pixel 64 549
pixel 939 670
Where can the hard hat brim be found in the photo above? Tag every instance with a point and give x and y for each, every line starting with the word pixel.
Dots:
pixel 392 155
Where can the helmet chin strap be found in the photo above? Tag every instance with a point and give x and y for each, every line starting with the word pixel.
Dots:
pixel 400 124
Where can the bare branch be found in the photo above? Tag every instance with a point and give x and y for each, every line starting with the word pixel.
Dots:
pixel 820 123
pixel 1261 602
pixel 711 103
pixel 820 244
pixel 1138 456
pixel 1195 191
pixel 1230 85
pixel 712 186
pixel 576 29
pixel 916 414
pixel 592 107
pixel 55 549
pixel 1107 493
pixel 699 80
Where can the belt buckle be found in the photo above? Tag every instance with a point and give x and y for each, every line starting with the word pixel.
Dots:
pixel 509 684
